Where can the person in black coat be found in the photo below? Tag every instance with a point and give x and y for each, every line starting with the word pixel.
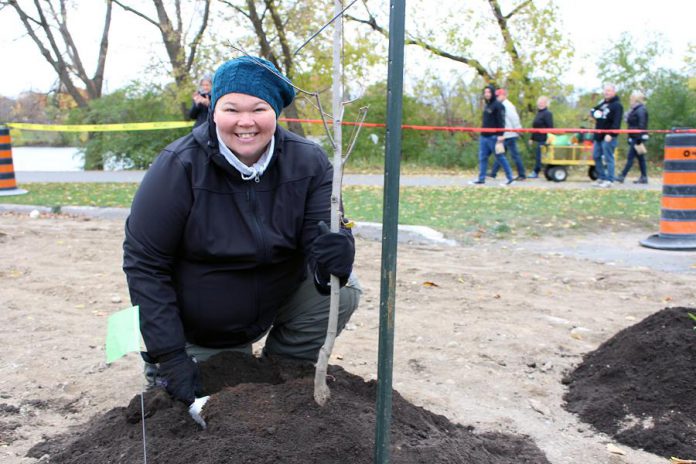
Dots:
pixel 607 115
pixel 227 238
pixel 201 101
pixel 637 118
pixel 542 120
pixel 492 142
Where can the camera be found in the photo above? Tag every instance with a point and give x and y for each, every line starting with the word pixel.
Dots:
pixel 204 95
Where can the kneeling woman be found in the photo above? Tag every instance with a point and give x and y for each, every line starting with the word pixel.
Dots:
pixel 224 245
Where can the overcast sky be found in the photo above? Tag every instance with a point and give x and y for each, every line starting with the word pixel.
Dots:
pixel 591 25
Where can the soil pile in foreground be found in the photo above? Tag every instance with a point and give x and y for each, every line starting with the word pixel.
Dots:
pixel 639 385
pixel 263 411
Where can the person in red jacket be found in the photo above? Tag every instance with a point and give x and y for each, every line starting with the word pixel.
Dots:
pixel 227 240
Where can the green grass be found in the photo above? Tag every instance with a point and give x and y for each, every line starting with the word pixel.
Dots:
pixel 461 212
pixel 75 194
pixel 503 212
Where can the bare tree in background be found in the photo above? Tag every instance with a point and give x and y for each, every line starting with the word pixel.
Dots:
pixel 47 25
pixel 180 50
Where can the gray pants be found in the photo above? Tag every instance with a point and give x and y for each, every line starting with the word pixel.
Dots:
pixel 299 328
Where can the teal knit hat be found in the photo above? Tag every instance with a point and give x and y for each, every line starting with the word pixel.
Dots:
pixel 252 76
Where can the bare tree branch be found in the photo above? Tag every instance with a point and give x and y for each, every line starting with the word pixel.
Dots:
pixel 137 13
pixel 71 49
pixel 475 64
pixel 236 8
pixel 282 38
pixel 103 48
pixel 517 9
pixel 510 46
pixel 199 36
pixel 59 64
pixel 179 23
pixel 64 56
pixel 257 23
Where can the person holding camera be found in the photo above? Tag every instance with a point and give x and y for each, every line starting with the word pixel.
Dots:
pixel 201 101
pixel 637 118
pixel 607 115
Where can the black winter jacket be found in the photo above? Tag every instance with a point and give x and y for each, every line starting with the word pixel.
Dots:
pixel 208 256
pixel 607 115
pixel 542 120
pixel 493 114
pixel 199 113
pixel 637 118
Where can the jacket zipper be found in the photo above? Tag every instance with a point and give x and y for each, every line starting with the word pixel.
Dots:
pixel 251 198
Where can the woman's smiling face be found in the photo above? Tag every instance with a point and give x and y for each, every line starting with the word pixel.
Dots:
pixel 246 124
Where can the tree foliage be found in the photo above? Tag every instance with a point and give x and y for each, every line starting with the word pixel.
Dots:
pixel 523 49
pixel 671 103
pixel 629 67
pixel 126 150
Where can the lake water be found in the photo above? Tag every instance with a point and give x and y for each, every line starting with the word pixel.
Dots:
pixel 47 159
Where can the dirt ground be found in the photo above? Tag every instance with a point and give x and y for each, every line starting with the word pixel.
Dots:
pixel 484 332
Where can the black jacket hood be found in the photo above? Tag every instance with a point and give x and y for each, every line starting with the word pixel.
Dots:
pixel 492 88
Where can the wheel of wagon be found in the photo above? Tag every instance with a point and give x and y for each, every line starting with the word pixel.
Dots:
pixel 592 172
pixel 558 173
pixel 547 171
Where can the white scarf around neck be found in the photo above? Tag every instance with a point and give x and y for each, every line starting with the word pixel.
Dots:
pixel 248 172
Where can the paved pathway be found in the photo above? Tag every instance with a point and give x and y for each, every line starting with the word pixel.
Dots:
pixel 349 179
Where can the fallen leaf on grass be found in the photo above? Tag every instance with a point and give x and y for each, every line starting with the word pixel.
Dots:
pixel 428 283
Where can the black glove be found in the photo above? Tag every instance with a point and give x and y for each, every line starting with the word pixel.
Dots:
pixel 334 254
pixel 181 377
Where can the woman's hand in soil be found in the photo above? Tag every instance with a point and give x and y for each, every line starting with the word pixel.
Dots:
pixel 181 377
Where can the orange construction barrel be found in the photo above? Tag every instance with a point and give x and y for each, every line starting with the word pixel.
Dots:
pixel 8 184
pixel 678 212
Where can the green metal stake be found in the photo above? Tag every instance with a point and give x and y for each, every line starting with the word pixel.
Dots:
pixel 390 223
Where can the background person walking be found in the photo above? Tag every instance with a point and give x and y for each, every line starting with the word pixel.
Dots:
pixel 542 120
pixel 637 118
pixel 607 115
pixel 493 117
pixel 512 121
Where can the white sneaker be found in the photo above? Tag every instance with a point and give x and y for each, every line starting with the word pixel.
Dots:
pixel 597 183
pixel 607 184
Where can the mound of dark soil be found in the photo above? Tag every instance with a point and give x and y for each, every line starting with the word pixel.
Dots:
pixel 263 411
pixel 639 386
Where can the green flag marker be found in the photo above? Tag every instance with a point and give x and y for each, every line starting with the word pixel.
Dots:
pixel 122 333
